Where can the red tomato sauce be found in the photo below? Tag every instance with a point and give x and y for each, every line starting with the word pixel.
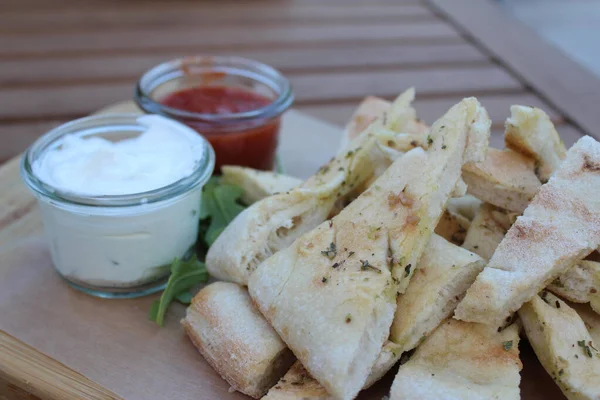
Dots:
pixel 251 144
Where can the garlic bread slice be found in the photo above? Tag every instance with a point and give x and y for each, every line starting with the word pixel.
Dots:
pixel 563 345
pixel 580 284
pixel 443 275
pixel 400 116
pixel 331 295
pixel 560 226
pixel 235 338
pixel 274 222
pixel 488 229
pixel 462 361
pixel 257 184
pixel 530 131
pixel 297 384
pixel 505 179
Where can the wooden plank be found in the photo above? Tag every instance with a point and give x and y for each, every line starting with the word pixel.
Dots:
pixel 15 137
pixel 167 14
pixel 99 4
pixel 429 109
pixel 129 67
pixel 569 87
pixel 28 374
pixel 135 40
pixel 53 102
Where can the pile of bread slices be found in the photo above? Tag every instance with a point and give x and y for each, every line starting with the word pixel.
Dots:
pixel 416 243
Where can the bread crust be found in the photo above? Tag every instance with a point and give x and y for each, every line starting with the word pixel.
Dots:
pixel 462 361
pixel 563 345
pixel 235 339
pixel 505 179
pixel 560 227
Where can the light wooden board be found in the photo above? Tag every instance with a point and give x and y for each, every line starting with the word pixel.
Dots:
pixel 57 343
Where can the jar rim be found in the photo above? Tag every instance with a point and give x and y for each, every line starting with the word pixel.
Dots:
pixel 230 65
pixel 102 123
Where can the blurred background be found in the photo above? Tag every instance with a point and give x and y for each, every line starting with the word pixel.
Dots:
pixel 571 25
pixel 64 59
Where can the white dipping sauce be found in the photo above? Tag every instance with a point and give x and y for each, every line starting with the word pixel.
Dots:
pixel 96 166
pixel 122 246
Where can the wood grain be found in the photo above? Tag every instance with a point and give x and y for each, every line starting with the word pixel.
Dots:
pixel 129 67
pixel 28 374
pixel 562 82
pixel 136 40
pixel 195 13
pixel 67 101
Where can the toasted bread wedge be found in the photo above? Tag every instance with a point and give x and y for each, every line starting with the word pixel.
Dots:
pixel 505 179
pixel 590 318
pixel 488 229
pixel 297 384
pixel 453 227
pixel 235 338
pixel 274 222
pixel 580 284
pixel 426 188
pixel 402 116
pixel 443 275
pixel 367 112
pixel 560 227
pixel 530 131
pixel 257 184
pixel 336 281
pixel 563 345
pixel 462 361
pixel 467 206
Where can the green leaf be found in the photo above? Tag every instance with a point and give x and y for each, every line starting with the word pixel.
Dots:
pixel 220 205
pixel 154 310
pixel 184 276
pixel 184 297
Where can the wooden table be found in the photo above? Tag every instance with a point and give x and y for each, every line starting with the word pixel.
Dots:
pixel 64 59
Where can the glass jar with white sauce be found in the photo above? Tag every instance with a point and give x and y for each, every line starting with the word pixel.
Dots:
pixel 120 199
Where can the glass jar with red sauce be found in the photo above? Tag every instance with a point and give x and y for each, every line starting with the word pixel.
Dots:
pixel 234 102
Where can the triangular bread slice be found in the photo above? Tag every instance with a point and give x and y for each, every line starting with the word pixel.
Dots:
pixel 443 275
pixel 257 184
pixel 590 318
pixel 340 280
pixel 462 361
pixel 488 229
pixel 297 384
pixel 580 284
pixel 505 179
pixel 453 227
pixel 560 227
pixel 235 338
pixel 530 131
pixel 274 222
pixel 402 114
pixel 563 345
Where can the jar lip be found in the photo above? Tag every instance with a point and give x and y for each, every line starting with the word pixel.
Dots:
pixel 231 65
pixel 198 177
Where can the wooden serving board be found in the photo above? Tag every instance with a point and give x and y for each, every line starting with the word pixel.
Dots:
pixel 58 343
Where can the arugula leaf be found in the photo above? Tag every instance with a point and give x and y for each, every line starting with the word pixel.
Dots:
pixel 219 205
pixel 184 297
pixel 184 276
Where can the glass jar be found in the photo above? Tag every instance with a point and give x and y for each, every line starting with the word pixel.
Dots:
pixel 118 246
pixel 247 138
